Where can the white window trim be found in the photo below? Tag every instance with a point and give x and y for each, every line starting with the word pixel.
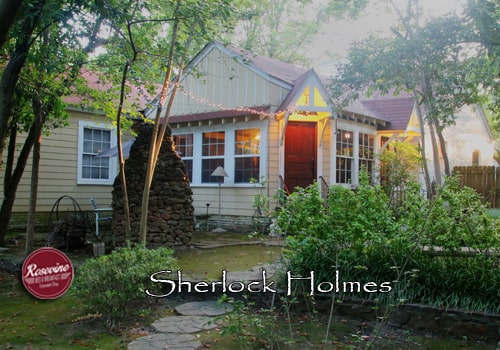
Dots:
pixel 113 167
pixel 229 155
pixel 356 130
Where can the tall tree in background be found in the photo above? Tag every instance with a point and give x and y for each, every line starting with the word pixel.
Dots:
pixel 431 60
pixel 280 29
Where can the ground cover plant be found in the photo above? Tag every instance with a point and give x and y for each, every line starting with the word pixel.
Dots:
pixel 443 252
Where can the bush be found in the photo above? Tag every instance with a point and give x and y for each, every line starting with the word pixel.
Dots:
pixel 115 284
pixel 420 249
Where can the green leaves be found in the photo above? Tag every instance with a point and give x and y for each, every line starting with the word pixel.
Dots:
pixel 112 284
pixel 428 248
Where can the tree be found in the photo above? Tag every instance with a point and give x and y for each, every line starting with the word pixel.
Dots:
pixel 193 22
pixel 41 61
pixel 8 12
pixel 278 28
pixel 430 61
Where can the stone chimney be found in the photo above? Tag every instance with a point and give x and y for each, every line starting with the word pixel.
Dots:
pixel 170 216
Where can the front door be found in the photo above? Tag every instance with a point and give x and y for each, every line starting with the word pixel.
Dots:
pixel 300 154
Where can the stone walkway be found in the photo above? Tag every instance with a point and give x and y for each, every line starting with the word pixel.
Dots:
pixel 178 332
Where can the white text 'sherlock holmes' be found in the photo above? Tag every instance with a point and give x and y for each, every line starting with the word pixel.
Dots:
pixel 264 285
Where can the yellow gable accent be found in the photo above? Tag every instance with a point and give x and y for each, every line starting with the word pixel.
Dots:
pixel 315 100
pixel 318 99
pixel 304 98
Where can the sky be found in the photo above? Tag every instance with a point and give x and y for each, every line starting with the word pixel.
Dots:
pixel 333 40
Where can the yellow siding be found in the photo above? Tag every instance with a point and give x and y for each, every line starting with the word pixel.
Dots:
pixel 327 141
pixel 58 171
pixel 234 200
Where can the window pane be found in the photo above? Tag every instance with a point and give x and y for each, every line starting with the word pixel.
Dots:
pixel 246 168
pixel 213 143
pixel 345 143
pixel 95 141
pixel 208 166
pixel 188 163
pixel 247 141
pixel 344 170
pixel 87 134
pixel 184 145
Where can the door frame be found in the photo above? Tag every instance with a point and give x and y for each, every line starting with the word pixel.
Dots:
pixel 318 150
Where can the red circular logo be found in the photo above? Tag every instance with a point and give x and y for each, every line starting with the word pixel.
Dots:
pixel 47 273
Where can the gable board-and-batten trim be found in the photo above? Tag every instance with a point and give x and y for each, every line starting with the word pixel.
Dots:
pixel 252 66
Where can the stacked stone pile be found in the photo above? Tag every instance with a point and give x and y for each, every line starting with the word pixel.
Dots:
pixel 170 217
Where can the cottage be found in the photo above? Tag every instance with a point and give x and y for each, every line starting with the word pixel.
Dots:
pixel 267 123
pixel 270 121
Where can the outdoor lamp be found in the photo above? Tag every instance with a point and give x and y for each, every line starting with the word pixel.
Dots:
pixel 221 174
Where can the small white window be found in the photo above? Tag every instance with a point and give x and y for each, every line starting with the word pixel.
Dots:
pixel 94 138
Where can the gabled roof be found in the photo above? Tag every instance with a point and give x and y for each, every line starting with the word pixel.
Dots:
pixel 284 71
pixel 310 78
pixel 396 110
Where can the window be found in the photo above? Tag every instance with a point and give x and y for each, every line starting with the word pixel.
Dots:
pixel 94 138
pixel 475 157
pixel 184 147
pixel 366 151
pixel 213 151
pixel 345 156
pixel 246 153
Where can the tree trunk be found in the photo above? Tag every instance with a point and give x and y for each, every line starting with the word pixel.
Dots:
pixel 435 155
pixel 123 178
pixel 11 73
pixel 444 151
pixel 425 167
pixel 35 167
pixel 8 12
pixel 153 152
pixel 13 177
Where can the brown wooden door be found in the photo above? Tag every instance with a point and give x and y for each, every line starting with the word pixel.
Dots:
pixel 300 154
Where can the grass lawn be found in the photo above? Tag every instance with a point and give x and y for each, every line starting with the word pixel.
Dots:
pixel 47 324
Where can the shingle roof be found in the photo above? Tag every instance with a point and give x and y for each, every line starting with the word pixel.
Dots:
pixel 394 109
pixel 227 113
pixel 284 71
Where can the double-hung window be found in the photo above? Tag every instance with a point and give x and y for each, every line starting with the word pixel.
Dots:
pixel 247 155
pixel 366 151
pixel 212 154
pixel 345 156
pixel 184 147
pixel 94 138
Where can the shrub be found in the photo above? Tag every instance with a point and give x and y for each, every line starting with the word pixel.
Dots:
pixel 359 234
pixel 115 284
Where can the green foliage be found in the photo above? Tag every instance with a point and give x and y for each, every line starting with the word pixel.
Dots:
pixel 249 327
pixel 114 284
pixel 277 28
pixel 400 162
pixel 428 251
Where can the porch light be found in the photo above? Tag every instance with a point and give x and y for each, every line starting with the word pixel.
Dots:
pixel 221 174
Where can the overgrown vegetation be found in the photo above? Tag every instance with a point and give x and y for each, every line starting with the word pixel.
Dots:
pixel 114 285
pixel 425 249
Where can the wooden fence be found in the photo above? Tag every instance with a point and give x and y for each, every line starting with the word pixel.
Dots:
pixel 484 179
